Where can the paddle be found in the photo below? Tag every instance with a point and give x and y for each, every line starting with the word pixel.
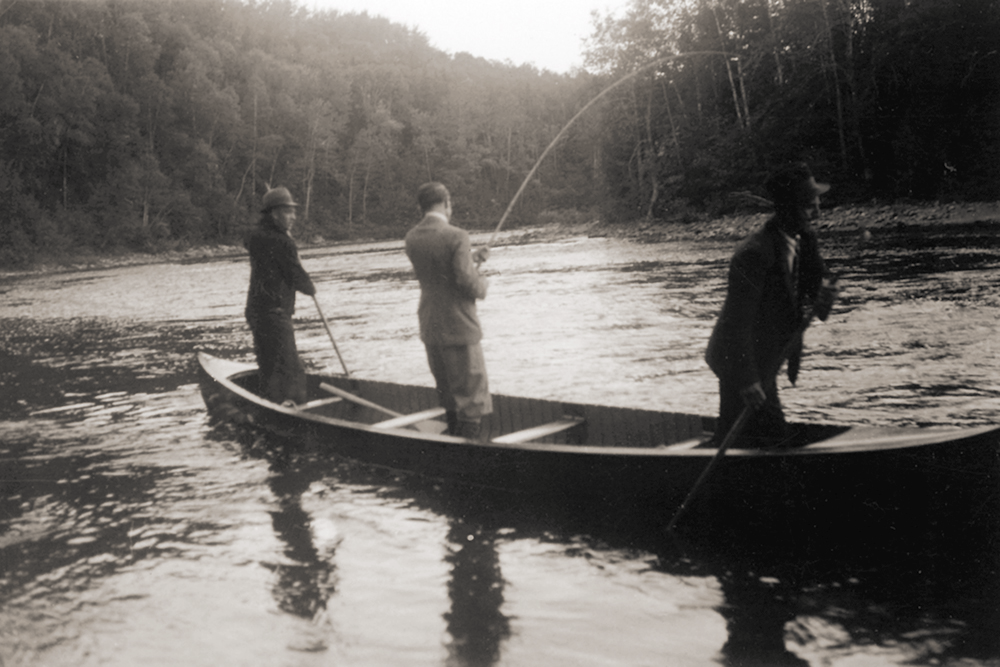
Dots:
pixel 329 333
pixel 357 399
pixel 734 432
pixel 340 392
pixel 741 421
pixel 422 421
pixel 737 428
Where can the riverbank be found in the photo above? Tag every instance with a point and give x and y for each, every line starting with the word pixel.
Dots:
pixel 844 219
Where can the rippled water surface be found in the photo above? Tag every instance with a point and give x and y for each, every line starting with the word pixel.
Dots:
pixel 136 531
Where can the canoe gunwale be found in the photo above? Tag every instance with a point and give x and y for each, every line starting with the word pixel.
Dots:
pixel 881 476
pixel 881 439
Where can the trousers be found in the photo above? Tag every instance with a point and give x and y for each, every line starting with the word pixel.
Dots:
pixel 282 375
pixel 460 377
pixel 767 426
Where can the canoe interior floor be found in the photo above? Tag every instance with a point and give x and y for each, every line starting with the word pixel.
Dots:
pixel 513 420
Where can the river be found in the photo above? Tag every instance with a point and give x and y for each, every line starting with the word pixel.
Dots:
pixel 134 530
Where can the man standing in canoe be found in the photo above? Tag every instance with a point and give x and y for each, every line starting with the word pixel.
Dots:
pixel 774 275
pixel 275 275
pixel 450 283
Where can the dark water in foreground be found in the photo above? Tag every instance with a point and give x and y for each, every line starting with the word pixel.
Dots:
pixel 135 531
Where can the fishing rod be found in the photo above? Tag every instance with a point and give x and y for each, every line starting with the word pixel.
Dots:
pixel 598 97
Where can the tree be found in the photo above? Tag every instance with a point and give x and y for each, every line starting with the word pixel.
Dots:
pixel 152 124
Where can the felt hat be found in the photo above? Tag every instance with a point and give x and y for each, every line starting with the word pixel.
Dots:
pixel 277 197
pixel 794 184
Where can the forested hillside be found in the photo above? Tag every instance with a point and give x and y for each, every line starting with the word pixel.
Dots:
pixel 156 124
pixel 888 99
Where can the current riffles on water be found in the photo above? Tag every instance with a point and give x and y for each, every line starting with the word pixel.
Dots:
pixel 135 530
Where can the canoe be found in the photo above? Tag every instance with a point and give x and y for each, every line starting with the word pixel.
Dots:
pixel 604 455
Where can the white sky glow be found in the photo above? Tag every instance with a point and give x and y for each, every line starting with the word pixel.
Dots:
pixel 548 34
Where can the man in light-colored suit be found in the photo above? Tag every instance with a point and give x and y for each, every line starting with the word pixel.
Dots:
pixel 450 283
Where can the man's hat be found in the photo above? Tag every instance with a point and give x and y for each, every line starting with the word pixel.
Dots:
pixel 794 184
pixel 277 197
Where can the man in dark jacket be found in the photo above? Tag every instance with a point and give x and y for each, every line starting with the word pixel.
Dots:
pixel 774 276
pixel 450 283
pixel 275 275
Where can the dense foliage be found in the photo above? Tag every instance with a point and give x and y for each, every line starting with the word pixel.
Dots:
pixel 886 98
pixel 155 124
pixel 152 124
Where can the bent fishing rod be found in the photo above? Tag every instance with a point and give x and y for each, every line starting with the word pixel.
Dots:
pixel 592 102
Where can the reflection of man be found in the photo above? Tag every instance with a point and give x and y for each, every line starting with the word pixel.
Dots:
pixel 772 275
pixel 475 621
pixel 755 620
pixel 306 578
pixel 450 283
pixel 275 275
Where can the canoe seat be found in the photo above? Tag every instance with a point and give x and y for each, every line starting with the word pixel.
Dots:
pixel 318 403
pixel 406 420
pixel 536 432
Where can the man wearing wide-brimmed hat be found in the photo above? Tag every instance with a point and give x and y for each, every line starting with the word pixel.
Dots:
pixel 275 275
pixel 775 276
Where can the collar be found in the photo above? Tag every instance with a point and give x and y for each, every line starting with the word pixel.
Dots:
pixel 790 240
pixel 437 214
pixel 791 249
pixel 269 225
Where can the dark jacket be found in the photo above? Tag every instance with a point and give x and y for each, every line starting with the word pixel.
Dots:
pixel 275 270
pixel 449 282
pixel 762 311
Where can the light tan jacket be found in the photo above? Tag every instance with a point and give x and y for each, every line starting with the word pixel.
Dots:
pixel 449 282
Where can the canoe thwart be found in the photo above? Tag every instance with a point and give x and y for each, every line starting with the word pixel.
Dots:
pixel 318 403
pixel 406 420
pixel 613 460
pixel 357 399
pixel 536 432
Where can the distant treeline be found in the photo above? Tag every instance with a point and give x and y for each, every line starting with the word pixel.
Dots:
pixel 156 124
pixel 888 99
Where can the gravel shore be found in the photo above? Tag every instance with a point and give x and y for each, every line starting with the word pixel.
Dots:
pixel 847 219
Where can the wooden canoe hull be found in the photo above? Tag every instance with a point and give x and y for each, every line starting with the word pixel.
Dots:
pixel 640 460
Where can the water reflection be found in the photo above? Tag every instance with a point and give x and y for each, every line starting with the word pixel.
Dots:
pixel 66 506
pixel 306 577
pixel 756 618
pixel 475 621
pixel 306 581
pixel 130 527
pixel 798 594
pixel 901 257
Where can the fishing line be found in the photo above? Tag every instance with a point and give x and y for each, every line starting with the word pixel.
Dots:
pixel 579 113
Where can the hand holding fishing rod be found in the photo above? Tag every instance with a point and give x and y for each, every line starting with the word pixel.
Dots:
pixel 480 255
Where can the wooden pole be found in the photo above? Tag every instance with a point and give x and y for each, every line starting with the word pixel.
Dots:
pixel 357 399
pixel 736 428
pixel 734 432
pixel 329 333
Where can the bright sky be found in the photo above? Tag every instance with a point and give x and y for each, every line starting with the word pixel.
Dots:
pixel 546 33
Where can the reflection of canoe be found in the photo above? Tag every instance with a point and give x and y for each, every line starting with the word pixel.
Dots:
pixel 602 454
